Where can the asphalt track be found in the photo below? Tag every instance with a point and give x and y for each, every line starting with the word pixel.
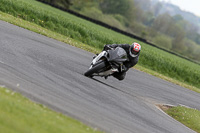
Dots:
pixel 51 72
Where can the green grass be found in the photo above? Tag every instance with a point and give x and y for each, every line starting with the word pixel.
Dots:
pixel 187 116
pixel 97 36
pixel 20 115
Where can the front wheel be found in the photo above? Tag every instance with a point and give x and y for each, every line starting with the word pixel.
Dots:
pixel 95 69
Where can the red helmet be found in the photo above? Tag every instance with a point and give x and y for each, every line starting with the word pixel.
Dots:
pixel 135 49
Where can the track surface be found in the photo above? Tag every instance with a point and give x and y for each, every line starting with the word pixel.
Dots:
pixel 51 73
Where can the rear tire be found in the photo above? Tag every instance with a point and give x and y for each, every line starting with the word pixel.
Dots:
pixel 95 69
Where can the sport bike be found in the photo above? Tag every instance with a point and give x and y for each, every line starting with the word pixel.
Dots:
pixel 107 62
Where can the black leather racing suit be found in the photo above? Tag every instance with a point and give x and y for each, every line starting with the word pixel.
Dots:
pixel 127 64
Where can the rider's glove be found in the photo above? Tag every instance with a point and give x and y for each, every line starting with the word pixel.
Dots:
pixel 106 47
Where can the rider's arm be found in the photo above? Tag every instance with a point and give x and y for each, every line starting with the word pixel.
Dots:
pixel 132 62
pixel 110 45
pixel 124 46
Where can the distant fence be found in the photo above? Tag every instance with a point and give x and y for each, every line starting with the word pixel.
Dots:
pixel 116 29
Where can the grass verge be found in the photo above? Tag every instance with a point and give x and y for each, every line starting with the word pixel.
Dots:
pixel 167 78
pixel 20 115
pixel 97 36
pixel 188 116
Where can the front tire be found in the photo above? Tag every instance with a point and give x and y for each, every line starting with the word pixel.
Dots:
pixel 95 69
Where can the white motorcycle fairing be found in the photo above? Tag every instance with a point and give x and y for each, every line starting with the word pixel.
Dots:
pixel 107 62
pixel 105 73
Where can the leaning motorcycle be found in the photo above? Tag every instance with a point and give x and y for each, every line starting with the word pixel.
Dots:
pixel 107 62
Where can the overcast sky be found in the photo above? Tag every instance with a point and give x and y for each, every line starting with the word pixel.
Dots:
pixel 187 5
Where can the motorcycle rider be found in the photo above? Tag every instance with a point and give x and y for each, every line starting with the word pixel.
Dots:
pixel 133 52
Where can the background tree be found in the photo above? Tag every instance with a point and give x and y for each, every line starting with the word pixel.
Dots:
pixel 157 9
pixel 163 41
pixel 114 7
pixel 144 19
pixel 163 23
pixel 81 4
pixel 178 42
pixel 61 3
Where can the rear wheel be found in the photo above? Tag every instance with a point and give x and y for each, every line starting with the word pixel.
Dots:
pixel 95 69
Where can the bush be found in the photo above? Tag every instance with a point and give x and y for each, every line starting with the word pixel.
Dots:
pixel 163 41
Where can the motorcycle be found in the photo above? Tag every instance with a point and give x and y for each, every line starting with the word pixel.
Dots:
pixel 107 62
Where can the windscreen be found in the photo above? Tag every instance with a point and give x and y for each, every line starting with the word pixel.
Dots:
pixel 117 55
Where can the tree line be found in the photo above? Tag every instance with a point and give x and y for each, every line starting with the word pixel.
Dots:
pixel 137 17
